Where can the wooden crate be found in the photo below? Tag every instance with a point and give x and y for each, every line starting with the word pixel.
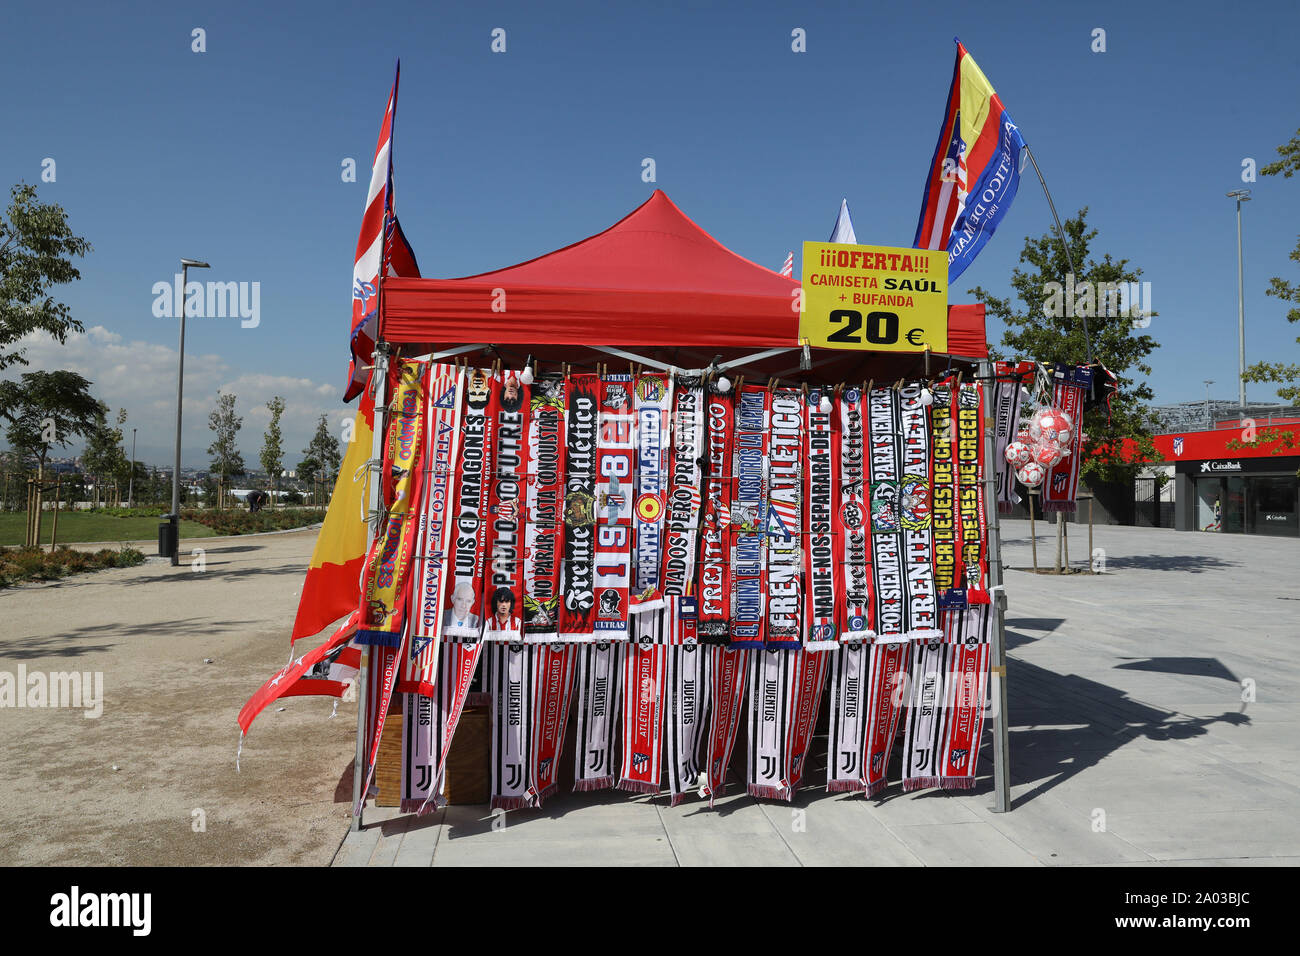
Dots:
pixel 468 763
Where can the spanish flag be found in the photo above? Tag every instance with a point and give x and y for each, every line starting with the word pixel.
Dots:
pixel 333 586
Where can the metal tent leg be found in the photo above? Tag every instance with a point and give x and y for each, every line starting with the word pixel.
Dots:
pixel 998 650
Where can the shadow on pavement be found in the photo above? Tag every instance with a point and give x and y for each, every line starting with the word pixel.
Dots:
pixel 1195 563
pixel 1191 666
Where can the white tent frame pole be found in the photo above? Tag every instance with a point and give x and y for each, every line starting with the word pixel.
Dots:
pixel 373 471
pixel 448 353
pixel 998 650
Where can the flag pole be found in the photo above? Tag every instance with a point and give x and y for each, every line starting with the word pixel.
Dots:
pixel 1087 336
pixel 998 650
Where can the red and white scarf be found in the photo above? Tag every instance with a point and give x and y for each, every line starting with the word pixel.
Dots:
pixel 715 557
pixel 544 532
pixel 784 520
pixel 886 686
pixel 852 525
pixel 599 685
pixel 465 606
pixel 577 578
pixel 968 634
pixel 615 472
pixel 823 582
pixel 509 679
pixel 437 513
pixel 804 707
pixel 889 612
pixel 505 575
pixel 1061 487
pixel 644 664
pixel 749 518
pixel 848 718
pixel 552 688
pixel 973 566
pixel 381 676
pixel 653 436
pixel 914 515
pixel 430 725
pixel 728 668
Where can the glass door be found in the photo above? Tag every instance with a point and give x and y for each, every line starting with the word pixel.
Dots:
pixel 1273 506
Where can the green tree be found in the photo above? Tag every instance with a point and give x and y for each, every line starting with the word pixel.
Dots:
pixel 227 461
pixel 103 457
pixel 321 457
pixel 36 250
pixel 1041 327
pixel 272 454
pixel 1286 375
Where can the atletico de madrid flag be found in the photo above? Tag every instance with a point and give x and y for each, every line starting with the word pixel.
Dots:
pixel 381 249
pixel 975 171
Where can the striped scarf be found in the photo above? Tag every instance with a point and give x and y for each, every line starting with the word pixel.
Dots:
pixel 615 461
pixel 973 573
pixel 727 671
pixel 968 634
pixel 688 700
pixel 889 619
pixel 944 503
pixel 381 675
pixel 851 522
pixel 924 716
pixel 805 705
pixel 429 725
pixel 773 679
pixel 715 556
pixel 465 606
pixel 505 582
pixel 643 701
pixel 848 722
pixel 823 578
pixel 914 515
pixel 428 592
pixel 886 684
pixel 1006 403
pixel 784 520
pixel 509 679
pixel 544 531
pixel 577 581
pixel 552 688
pixel 599 683
pixel 1061 487
pixel 748 518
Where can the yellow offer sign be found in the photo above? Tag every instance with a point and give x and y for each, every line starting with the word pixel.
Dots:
pixel 876 298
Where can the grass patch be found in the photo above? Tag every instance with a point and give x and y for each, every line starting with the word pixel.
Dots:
pixel 36 564
pixel 245 522
pixel 92 526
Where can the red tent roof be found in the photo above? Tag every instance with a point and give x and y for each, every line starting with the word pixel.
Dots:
pixel 653 279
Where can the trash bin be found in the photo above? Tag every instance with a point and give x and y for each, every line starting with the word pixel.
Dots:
pixel 169 536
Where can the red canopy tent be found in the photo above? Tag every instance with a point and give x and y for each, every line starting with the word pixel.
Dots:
pixel 653 280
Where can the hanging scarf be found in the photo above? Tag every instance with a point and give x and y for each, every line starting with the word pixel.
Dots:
pixel 381 675
pixel 1072 384
pixel 924 716
pixel 773 677
pixel 505 581
pixel 464 609
pixel 914 515
pixel 685 478
pixel 552 689
pixel 437 513
pixel 728 668
pixel 387 586
pixel 509 677
pixel 848 719
pixel 577 587
pixel 429 725
pixel 889 619
pixel 688 701
pixel 822 582
pixel 785 520
pixel 599 683
pixel 715 557
pixel 809 684
pixel 887 680
pixel 973 568
pixel 748 518
pixel 967 633
pixel 944 499
pixel 643 700
pixel 615 460
pixel 1006 401
pixel 653 402
pixel 851 522
pixel 544 531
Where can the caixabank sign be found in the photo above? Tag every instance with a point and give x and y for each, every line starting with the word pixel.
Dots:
pixel 1215 467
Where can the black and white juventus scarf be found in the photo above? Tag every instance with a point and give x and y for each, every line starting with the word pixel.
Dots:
pixel 509 680
pixel 599 683
pixel 688 703
pixel 848 718
pixel 429 725
pixel 1006 417
pixel 772 682
pixel 924 715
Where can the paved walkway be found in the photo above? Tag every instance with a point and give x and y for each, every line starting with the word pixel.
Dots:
pixel 1130 741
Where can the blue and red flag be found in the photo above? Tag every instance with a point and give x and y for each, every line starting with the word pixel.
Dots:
pixel 381 249
pixel 975 171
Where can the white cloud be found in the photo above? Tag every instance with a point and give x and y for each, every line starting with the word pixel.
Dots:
pixel 141 377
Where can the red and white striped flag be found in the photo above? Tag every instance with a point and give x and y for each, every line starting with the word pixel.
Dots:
pixel 788 268
pixel 381 247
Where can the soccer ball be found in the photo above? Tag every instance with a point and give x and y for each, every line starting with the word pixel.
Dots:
pixel 1048 453
pixel 1051 425
pixel 1019 453
pixel 1032 474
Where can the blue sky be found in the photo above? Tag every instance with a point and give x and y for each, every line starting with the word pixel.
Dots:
pixel 234 155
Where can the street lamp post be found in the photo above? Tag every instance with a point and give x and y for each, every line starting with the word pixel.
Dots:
pixel 130 485
pixel 1208 383
pixel 180 387
pixel 1241 195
